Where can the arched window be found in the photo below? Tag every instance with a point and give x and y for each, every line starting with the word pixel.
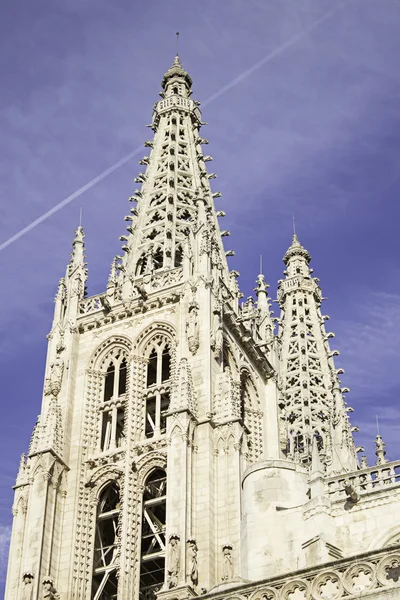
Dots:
pixel 112 410
pixel 152 563
pixel 105 582
pixel 158 389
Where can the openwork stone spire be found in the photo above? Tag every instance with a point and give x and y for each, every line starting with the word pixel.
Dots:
pixel 174 201
pixel 312 401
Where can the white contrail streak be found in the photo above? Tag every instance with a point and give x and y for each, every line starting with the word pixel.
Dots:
pixel 69 199
pixel 213 97
pixel 275 52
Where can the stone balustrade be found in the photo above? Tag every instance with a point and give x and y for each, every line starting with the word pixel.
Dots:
pixel 368 575
pixel 364 481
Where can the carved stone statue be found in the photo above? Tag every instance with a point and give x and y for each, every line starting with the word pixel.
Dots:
pixel 216 333
pixel 192 328
pixel 174 561
pixel 227 562
pixel 49 591
pixel 192 561
pixel 53 382
pixel 27 586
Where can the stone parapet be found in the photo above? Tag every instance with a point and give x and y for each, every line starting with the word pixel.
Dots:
pixel 371 575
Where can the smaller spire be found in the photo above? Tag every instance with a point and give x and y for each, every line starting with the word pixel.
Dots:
pixel 261 292
pixel 380 450
pixel 78 248
pixel 113 276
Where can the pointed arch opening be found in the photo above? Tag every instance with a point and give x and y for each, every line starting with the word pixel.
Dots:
pixel 112 409
pixel 105 582
pixel 152 554
pixel 109 382
pixel 157 395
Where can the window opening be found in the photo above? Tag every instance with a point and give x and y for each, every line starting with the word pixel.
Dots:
pixel 106 430
pixel 178 256
pixel 109 383
pixel 152 368
pixel 152 567
pixel 122 378
pixel 158 396
pixel 158 259
pixel 105 582
pixel 165 364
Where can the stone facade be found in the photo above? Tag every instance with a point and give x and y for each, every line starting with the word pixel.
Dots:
pixel 183 447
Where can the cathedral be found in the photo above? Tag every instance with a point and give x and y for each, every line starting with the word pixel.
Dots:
pixel 190 444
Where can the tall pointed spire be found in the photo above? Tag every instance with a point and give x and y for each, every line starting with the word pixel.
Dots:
pixel 173 212
pixel 315 411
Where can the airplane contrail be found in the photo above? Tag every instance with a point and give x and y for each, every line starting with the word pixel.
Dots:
pixel 211 98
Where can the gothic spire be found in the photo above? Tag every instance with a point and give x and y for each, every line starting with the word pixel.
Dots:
pixel 315 411
pixel 173 217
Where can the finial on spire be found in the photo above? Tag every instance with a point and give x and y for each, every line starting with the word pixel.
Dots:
pixel 80 217
pixel 294 224
pixel 177 43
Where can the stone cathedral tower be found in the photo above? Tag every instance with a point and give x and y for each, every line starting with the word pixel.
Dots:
pixel 184 448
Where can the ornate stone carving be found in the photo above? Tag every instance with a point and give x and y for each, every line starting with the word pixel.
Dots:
pixel 327 586
pixel 49 591
pixel 359 578
pixel 388 571
pixel 173 560
pixel 192 569
pixel 27 586
pixel 227 562
pixel 192 327
pixel 54 380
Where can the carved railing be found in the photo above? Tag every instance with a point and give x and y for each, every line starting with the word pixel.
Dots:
pixel 365 481
pixel 373 574
pixel 91 304
pixel 166 278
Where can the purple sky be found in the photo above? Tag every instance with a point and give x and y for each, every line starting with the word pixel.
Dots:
pixel 315 130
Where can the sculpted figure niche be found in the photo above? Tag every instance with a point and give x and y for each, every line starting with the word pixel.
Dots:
pixel 192 561
pixel 174 561
pixel 27 586
pixel 192 327
pixel 227 562
pixel 49 591
pixel 54 380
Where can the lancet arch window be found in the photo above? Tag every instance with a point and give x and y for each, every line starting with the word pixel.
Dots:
pixel 158 383
pixel 105 582
pixel 112 408
pixel 152 554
